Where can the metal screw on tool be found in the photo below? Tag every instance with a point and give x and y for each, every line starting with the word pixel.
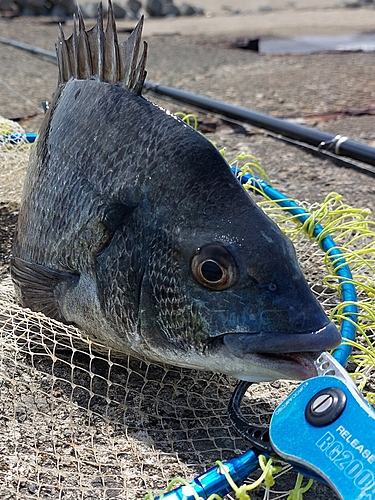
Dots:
pixel 325 407
pixel 322 403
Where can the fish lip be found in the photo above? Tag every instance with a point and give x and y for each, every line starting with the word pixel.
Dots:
pixel 290 366
pixel 297 365
pixel 289 355
pixel 242 343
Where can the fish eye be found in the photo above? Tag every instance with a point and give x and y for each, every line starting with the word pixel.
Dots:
pixel 211 271
pixel 213 267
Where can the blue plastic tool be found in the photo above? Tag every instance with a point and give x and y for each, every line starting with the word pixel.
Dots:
pixel 336 432
pixel 335 441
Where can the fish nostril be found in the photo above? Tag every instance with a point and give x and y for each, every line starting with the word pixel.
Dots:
pixel 268 286
pixel 253 280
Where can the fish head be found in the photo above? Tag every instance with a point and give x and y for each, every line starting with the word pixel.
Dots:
pixel 227 294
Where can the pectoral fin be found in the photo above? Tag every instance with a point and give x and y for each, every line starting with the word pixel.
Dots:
pixel 39 287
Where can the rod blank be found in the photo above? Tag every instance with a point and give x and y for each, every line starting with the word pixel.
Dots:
pixel 324 141
pixel 337 144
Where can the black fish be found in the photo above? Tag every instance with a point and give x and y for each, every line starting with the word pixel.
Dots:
pixel 133 228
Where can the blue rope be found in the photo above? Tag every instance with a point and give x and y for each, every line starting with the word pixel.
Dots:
pixel 348 291
pixel 16 138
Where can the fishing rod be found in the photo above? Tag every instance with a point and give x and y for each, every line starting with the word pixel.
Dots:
pixel 29 48
pixel 324 142
pixel 340 145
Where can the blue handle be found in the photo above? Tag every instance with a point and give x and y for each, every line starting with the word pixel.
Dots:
pixel 214 481
pixel 336 435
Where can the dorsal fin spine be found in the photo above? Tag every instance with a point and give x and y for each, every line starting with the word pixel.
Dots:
pixel 65 71
pixel 100 42
pixel 96 53
pixel 75 47
pixel 84 64
pixel 85 59
pixel 141 71
pixel 111 46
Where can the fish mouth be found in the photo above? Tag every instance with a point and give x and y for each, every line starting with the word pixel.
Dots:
pixel 291 355
pixel 298 366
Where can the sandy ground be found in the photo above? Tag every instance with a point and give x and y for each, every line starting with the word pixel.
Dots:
pixel 334 92
pixel 236 18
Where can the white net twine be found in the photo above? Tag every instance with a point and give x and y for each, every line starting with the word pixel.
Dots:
pixel 79 423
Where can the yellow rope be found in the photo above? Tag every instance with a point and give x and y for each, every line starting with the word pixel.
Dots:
pixel 297 492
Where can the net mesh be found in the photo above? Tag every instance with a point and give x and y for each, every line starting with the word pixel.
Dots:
pixel 77 422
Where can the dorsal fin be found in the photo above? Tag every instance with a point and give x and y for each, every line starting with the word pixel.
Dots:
pixel 96 53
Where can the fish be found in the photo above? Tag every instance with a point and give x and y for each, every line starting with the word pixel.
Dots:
pixel 133 228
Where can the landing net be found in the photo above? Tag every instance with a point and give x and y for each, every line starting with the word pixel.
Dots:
pixel 77 422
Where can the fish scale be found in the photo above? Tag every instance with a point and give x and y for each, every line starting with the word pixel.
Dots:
pixel 134 228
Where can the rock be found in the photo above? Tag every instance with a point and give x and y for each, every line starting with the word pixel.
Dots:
pixel 134 6
pixel 89 10
pixel 63 8
pixel 34 4
pixel 356 4
pixel 33 7
pixel 58 12
pixel 233 11
pixel 352 5
pixel 154 8
pixel 169 9
pixel 119 12
pixel 69 5
pixel 190 10
pixel 199 11
pixel 29 7
pixel 265 8
pixel 28 12
pixel 21 4
pixel 161 8
pixel 6 5
pixel 187 10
